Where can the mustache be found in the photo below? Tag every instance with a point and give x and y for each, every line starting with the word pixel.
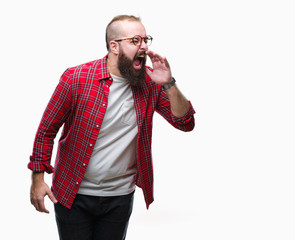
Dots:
pixel 140 54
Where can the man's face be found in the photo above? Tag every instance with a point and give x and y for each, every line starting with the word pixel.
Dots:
pixel 132 58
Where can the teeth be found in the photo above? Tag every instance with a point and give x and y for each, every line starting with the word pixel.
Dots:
pixel 142 55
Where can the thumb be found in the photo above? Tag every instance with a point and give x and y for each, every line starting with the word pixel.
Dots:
pixel 149 72
pixel 51 196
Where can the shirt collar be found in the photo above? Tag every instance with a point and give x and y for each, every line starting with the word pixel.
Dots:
pixel 102 70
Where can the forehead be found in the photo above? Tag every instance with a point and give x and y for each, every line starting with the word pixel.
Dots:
pixel 132 28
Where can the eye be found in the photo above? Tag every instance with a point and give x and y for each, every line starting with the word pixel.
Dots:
pixel 136 40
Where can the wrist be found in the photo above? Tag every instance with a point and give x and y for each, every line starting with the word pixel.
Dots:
pixel 37 176
pixel 169 85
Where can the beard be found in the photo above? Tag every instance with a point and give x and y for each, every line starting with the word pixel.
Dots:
pixel 133 76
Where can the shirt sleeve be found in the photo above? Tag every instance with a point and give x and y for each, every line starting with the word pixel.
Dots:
pixel 185 123
pixel 53 118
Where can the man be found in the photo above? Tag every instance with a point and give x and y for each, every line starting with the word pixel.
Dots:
pixel 106 107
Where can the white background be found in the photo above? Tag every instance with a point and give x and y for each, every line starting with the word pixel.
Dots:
pixel 232 177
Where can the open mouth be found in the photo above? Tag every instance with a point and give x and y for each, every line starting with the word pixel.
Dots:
pixel 139 60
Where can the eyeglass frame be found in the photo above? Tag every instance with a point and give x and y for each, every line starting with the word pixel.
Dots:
pixel 148 37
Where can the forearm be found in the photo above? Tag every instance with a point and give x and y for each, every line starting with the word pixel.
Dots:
pixel 37 177
pixel 178 102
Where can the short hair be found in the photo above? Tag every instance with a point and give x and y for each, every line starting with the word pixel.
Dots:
pixel 111 33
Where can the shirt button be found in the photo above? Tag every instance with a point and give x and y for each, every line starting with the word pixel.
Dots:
pixel 97 126
pixel 103 104
pixel 84 164
pixel 77 183
pixel 90 145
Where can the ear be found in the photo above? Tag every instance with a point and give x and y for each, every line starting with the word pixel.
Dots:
pixel 114 47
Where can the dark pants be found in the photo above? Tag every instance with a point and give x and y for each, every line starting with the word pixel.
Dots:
pixel 91 218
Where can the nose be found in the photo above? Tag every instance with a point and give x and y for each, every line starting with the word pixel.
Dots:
pixel 143 46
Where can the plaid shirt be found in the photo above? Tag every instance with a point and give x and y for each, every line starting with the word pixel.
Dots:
pixel 80 102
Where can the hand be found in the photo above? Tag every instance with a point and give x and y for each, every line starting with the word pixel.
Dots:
pixel 161 73
pixel 39 189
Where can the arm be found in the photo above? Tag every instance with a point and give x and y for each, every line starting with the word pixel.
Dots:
pixel 54 116
pixel 178 103
pixel 161 74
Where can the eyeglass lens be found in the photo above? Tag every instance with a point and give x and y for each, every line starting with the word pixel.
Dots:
pixel 137 40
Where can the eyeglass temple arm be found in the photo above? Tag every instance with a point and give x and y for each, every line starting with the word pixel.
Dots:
pixel 120 40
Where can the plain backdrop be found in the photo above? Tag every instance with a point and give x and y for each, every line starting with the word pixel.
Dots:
pixel 232 177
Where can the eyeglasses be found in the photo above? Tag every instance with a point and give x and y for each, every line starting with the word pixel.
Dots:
pixel 137 40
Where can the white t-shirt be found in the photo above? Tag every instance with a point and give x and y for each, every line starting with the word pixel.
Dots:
pixel 112 167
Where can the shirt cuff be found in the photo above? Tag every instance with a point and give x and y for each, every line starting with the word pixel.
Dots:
pixel 39 166
pixel 187 117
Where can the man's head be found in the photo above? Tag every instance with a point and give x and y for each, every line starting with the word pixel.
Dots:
pixel 113 28
pixel 127 41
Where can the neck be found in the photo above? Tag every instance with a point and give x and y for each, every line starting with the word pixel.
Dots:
pixel 112 65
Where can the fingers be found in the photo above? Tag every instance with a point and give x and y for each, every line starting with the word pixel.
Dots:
pixel 149 53
pixel 149 72
pixel 158 59
pixel 155 57
pixel 51 197
pixel 37 197
pixel 39 205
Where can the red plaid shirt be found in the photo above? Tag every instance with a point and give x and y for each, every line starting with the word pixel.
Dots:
pixel 80 102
